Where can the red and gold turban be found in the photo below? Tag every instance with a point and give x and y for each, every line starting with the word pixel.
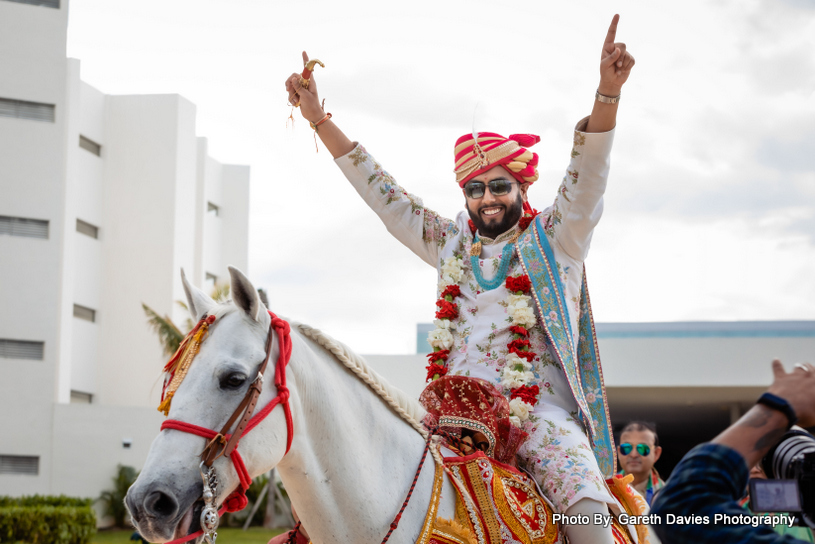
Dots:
pixel 491 150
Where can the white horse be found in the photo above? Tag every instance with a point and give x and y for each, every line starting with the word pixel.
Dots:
pixel 356 442
pixel 354 454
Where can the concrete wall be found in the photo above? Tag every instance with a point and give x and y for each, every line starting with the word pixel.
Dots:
pixel 90 445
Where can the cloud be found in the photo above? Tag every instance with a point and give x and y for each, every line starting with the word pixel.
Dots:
pixel 710 205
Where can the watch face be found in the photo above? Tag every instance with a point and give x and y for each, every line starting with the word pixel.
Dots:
pixel 774 496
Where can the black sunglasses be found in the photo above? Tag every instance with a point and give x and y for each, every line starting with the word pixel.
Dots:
pixel 642 449
pixel 498 187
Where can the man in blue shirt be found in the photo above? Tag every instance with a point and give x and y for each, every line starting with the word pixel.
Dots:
pixel 711 478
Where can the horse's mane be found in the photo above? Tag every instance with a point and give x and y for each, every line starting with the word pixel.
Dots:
pixel 408 408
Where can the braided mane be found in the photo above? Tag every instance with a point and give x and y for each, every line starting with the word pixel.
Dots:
pixel 407 407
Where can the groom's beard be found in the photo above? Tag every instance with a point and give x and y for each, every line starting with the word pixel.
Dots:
pixel 495 228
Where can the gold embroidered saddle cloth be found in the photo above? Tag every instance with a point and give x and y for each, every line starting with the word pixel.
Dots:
pixel 496 503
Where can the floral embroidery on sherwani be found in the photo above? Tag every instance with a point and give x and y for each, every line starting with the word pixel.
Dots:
pixel 437 229
pixel 358 155
pixel 558 451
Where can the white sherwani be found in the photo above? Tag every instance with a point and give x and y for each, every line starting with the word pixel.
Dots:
pixel 557 451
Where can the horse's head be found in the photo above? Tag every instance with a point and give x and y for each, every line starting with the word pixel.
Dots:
pixel 166 500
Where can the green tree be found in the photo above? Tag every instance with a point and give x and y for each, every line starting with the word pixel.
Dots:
pixel 113 499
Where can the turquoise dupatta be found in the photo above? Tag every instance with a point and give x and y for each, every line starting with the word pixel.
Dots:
pixel 582 366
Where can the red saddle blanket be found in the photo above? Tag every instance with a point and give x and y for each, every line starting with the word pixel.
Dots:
pixel 497 503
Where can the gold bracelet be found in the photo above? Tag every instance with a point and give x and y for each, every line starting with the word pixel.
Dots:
pixel 320 122
pixel 606 99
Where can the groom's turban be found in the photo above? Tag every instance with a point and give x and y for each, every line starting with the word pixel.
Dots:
pixel 491 150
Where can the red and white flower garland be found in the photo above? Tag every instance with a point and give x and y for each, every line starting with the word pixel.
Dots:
pixel 441 339
pixel 517 374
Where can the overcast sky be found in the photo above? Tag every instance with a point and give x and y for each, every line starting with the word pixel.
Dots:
pixel 710 207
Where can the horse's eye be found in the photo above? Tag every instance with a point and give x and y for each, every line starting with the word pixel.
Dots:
pixel 233 380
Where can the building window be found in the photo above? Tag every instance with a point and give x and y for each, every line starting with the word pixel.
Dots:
pixel 87 229
pixel 213 209
pixel 21 349
pixel 20 464
pixel 89 145
pixel 83 312
pixel 78 397
pixel 21 109
pixel 210 280
pixel 46 3
pixel 22 226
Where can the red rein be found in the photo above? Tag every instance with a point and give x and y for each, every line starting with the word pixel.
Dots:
pixel 237 499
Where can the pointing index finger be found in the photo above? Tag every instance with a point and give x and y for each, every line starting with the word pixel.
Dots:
pixel 612 30
pixel 305 58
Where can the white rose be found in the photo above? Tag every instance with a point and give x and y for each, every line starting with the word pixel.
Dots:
pixel 513 361
pixel 451 270
pixel 443 324
pixel 523 316
pixel 515 420
pixel 520 301
pixel 440 338
pixel 512 377
pixel 520 409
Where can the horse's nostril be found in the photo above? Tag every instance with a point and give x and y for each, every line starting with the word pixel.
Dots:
pixel 161 505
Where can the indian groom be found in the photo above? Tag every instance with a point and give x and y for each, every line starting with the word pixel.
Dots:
pixel 513 306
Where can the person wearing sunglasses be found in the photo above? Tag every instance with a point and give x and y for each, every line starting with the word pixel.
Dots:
pixel 638 451
pixel 513 305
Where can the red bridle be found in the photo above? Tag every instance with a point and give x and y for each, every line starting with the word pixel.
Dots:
pixel 237 499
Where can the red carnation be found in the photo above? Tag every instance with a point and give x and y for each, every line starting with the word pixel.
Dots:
pixel 452 291
pixel 434 369
pixel 519 283
pixel 517 329
pixel 528 355
pixel 436 356
pixel 527 219
pixel 447 310
pixel 527 393
pixel 519 345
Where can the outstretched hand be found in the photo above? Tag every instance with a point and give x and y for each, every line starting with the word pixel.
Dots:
pixel 797 388
pixel 615 62
pixel 306 97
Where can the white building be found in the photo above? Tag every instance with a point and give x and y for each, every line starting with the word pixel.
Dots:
pixel 103 199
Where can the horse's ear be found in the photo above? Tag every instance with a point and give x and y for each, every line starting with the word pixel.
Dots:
pixel 244 294
pixel 197 301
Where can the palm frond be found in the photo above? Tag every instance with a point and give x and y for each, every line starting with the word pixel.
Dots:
pixel 188 323
pixel 220 293
pixel 168 334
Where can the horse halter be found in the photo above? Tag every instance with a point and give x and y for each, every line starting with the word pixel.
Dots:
pixel 224 443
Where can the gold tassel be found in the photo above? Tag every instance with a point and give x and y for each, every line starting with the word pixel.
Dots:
pixel 188 350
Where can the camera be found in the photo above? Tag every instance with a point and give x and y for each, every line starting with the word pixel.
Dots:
pixel 790 465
